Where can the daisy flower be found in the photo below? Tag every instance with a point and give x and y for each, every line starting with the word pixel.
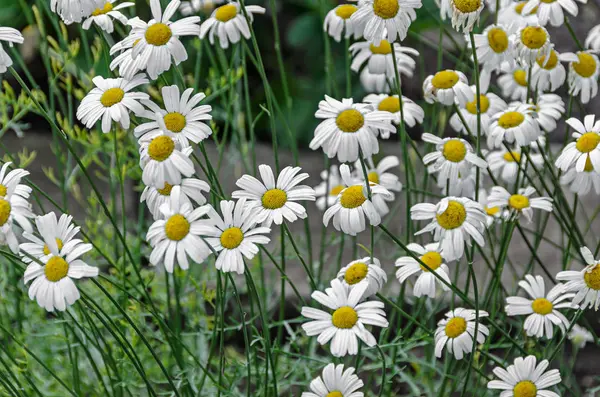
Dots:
pixel 56 233
pixel 163 162
pixel 513 82
pixel 183 120
pixel 328 190
pixel 413 113
pixel 352 205
pixel 494 46
pixel 452 156
pixel 465 13
pixel 512 14
pixel 541 310
pixel 464 186
pixel 364 271
pixel 335 382
pixel 14 206
pixel 112 100
pixel 53 287
pixel 489 103
pixel 579 336
pixel 379 175
pixel 454 221
pixel 229 24
pixel 190 189
pixel 457 330
pixel 548 110
pixel 72 10
pixel 273 201
pixel 372 82
pixel 582 182
pixel 592 41
pixel 583 74
pixel 585 283
pixel 447 86
pixel 157 42
pixel 233 236
pixel 176 236
pixel 426 282
pixel 515 125
pixel 521 203
pixel 385 19
pixel 585 148
pixel 128 65
pixel 348 127
pixel 551 10
pixel 493 213
pixel 10 36
pixel 525 378
pixel 338 20
pixel 346 324
pixel 104 13
pixel 192 7
pixel 532 42
pixel 504 163
pixel 548 74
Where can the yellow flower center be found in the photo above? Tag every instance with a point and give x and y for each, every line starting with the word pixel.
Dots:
pixel 592 278
pixel 3 190
pixel 4 211
pixel 384 48
pixel 386 9
pixel 334 393
pixel 586 67
pixel 588 165
pixel 353 197
pixel 454 150
pixel 542 306
pixel 231 238
pixel 518 202
pixel 56 269
pixel 345 11
pixel 525 388
pixel 432 259
pixel 161 147
pixel 467 6
pixel 336 190
pixel 491 211
pixel 455 327
pixel 174 121
pixel 533 37
pixel 350 120
pixel 100 11
pixel 453 217
pixel 111 97
pixel 511 119
pixel 373 177
pixel 344 317
pixel 166 190
pixel 484 104
pixel 390 104
pixel 356 273
pixel 445 79
pixel 512 157
pixel 587 142
pixel 158 34
pixel 498 40
pixel 274 198
pixel 548 62
pixel 177 227
pixel 59 243
pixel 520 77
pixel 226 12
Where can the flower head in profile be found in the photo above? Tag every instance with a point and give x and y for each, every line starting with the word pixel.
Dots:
pixel 229 23
pixel 454 221
pixel 15 208
pixel 330 187
pixel 521 202
pixel 72 10
pixel 335 382
pixel 192 7
pixel 164 162
pixel 513 82
pixel 585 283
pixel 385 19
pixel 582 182
pixel 457 330
pixel 431 256
pixel 234 235
pixel 275 200
pixel 352 205
pixel 338 21
pixel 364 271
pixel 505 163
pixel 345 323
pixel 10 36
pixel 542 310
pixel 465 14
pixel 104 14
pixel 190 190
pixel 524 378
pixel 584 69
pixel 548 73
pixel 413 113
pixel 515 125
pixel 489 105
pixel 549 108
pixel 579 336
pixel 586 147
pixel 446 87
